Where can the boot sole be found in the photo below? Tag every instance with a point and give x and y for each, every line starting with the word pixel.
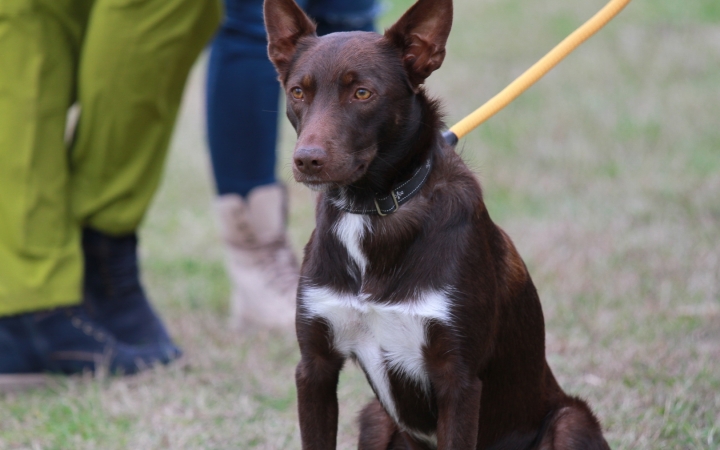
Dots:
pixel 22 381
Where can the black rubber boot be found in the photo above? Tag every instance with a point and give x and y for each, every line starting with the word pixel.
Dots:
pixel 113 294
pixel 66 340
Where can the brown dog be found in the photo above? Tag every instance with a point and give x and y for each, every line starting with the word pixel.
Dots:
pixel 405 272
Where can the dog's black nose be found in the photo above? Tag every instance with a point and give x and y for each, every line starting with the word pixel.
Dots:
pixel 310 160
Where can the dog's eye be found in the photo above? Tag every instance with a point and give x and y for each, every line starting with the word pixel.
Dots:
pixel 297 93
pixel 362 94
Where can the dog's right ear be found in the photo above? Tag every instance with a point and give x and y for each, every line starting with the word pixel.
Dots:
pixel 285 23
pixel 421 34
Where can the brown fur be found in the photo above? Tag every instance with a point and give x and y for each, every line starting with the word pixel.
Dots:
pixel 491 384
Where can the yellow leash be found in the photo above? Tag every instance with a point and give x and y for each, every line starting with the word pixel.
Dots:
pixel 534 73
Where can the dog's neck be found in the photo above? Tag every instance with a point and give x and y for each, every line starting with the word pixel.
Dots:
pixel 404 150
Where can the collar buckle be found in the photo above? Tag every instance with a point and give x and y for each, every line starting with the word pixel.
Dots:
pixel 397 205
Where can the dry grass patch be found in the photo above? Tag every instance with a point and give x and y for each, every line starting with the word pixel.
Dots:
pixel 607 176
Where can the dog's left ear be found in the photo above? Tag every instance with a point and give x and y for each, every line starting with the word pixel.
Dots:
pixel 285 23
pixel 421 34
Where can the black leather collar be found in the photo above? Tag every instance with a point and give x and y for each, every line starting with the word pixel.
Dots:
pixel 398 195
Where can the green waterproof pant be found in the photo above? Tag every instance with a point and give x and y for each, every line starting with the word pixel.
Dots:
pixel 125 63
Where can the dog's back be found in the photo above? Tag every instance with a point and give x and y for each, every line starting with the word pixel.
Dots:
pixel 405 272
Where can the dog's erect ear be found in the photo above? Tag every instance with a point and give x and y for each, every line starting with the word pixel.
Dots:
pixel 285 23
pixel 421 34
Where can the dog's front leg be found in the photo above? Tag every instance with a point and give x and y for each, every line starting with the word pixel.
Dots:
pixel 316 378
pixel 458 400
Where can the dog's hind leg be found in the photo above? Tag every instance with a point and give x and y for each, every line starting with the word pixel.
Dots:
pixel 573 427
pixel 377 429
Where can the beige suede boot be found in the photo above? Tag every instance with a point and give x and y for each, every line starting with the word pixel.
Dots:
pixel 261 265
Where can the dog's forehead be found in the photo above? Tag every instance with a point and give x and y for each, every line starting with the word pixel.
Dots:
pixel 332 56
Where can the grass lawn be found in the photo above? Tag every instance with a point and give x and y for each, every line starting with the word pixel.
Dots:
pixel 607 176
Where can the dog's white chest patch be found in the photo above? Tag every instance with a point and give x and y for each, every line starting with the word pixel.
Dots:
pixel 350 231
pixel 383 337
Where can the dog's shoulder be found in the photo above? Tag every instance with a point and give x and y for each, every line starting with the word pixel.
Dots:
pixel 453 198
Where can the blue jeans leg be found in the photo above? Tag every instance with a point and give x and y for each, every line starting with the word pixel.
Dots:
pixel 342 15
pixel 242 116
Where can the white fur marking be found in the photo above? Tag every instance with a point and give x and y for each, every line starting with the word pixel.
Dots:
pixel 350 230
pixel 429 439
pixel 383 337
pixel 341 201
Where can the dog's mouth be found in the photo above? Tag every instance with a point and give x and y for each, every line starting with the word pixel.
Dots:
pixel 320 186
pixel 329 179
